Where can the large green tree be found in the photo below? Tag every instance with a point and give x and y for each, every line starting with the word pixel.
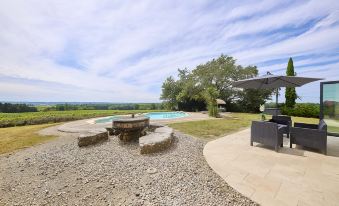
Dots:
pixel 290 93
pixel 202 85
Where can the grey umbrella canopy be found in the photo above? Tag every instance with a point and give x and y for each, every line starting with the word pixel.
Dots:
pixel 270 81
pixel 273 82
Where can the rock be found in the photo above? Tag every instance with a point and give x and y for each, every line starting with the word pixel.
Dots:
pixel 153 126
pixel 157 141
pixel 151 170
pixel 166 130
pixel 92 137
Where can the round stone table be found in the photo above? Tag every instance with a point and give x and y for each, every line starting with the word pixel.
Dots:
pixel 130 128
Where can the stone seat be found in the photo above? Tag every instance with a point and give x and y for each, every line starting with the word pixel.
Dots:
pixel 166 130
pixel 157 141
pixel 154 125
pixel 92 137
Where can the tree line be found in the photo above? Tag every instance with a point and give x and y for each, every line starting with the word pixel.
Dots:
pixel 19 108
pixel 198 89
pixel 16 108
pixel 122 106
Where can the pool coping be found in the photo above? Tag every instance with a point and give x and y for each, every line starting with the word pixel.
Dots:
pixel 84 125
pixel 92 121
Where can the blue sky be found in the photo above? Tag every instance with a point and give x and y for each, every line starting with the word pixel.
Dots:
pixel 121 51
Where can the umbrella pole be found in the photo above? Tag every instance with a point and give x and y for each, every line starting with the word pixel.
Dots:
pixel 276 98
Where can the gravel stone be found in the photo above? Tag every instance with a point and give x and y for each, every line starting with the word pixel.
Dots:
pixel 151 170
pixel 112 173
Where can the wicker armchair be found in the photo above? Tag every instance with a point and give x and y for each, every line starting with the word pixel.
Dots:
pixel 310 135
pixel 283 120
pixel 267 133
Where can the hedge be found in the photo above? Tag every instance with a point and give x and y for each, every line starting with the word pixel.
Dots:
pixel 302 110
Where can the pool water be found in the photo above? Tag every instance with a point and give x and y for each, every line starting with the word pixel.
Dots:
pixel 166 115
pixel 151 115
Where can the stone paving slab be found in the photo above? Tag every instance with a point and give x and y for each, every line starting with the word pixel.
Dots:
pixel 291 177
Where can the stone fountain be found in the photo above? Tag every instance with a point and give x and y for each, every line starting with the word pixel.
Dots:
pixel 151 137
pixel 130 128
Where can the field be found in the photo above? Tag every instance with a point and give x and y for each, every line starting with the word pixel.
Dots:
pixel 21 137
pixel 32 118
pixel 214 128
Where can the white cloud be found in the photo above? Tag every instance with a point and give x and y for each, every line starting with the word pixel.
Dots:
pixel 300 66
pixel 119 51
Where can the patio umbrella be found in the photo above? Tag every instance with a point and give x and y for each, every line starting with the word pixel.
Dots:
pixel 270 81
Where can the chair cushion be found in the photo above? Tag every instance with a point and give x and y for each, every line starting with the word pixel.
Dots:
pixel 281 119
pixel 282 128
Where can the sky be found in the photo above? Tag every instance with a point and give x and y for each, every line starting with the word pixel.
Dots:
pixel 122 51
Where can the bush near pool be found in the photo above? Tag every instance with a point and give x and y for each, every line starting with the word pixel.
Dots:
pixel 302 110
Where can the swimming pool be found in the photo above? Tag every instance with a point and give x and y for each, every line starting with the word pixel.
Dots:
pixel 151 115
pixel 166 115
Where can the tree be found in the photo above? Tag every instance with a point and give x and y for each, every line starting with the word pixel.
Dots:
pixel 290 93
pixel 170 91
pixel 200 87
pixel 218 73
pixel 251 99
pixel 153 106
pixel 16 108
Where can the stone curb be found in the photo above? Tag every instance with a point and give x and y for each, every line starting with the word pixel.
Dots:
pixel 92 137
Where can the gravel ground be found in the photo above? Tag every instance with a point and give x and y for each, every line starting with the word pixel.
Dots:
pixel 111 173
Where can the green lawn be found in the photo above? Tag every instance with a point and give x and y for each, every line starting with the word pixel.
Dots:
pixel 13 138
pixel 214 128
pixel 32 118
pixel 332 124
pixel 20 137
pixel 333 129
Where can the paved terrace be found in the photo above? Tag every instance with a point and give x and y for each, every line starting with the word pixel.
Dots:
pixel 290 177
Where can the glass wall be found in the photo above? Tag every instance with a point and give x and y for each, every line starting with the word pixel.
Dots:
pixel 330 105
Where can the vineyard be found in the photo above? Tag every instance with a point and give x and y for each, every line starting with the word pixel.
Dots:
pixel 31 118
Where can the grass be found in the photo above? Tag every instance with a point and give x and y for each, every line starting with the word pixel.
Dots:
pixel 333 129
pixel 305 120
pixel 14 138
pixel 332 125
pixel 32 118
pixel 214 128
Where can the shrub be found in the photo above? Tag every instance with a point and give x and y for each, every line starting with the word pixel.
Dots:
pixel 302 110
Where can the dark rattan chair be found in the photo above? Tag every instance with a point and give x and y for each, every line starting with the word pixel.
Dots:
pixel 310 135
pixel 283 120
pixel 267 133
